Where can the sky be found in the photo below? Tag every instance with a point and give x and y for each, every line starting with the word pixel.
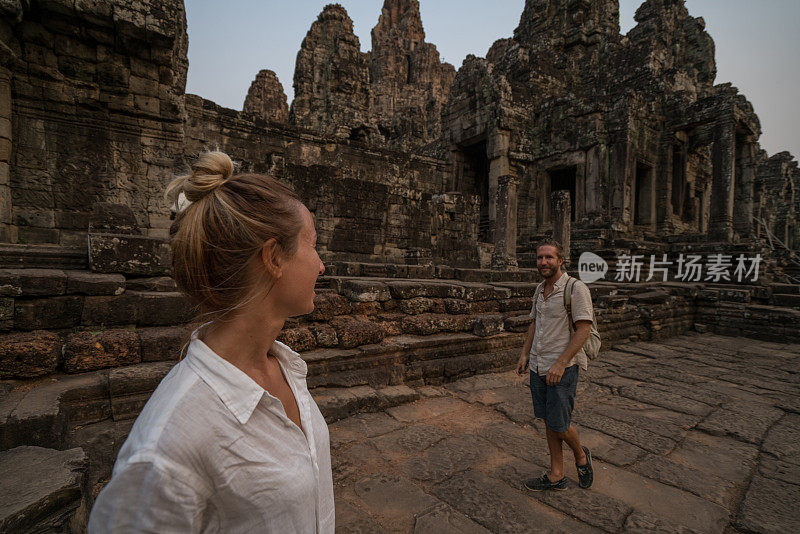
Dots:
pixel 757 44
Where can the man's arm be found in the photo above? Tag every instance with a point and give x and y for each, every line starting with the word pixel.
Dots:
pixel 577 340
pixel 522 364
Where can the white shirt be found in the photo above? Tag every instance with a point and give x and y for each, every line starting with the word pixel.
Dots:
pixel 212 451
pixel 552 333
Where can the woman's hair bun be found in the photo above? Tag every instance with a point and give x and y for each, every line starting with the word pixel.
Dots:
pixel 211 170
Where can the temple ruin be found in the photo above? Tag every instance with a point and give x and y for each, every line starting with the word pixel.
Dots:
pixel 430 186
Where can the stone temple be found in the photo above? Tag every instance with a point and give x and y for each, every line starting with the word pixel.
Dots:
pixel 430 186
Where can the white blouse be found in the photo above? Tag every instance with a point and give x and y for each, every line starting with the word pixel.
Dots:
pixel 212 451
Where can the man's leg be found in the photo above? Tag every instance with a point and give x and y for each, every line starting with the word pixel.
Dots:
pixel 556 454
pixel 560 402
pixel 539 395
pixel 574 442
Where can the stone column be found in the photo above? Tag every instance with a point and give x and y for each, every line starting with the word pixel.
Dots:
pixel 505 229
pixel 596 175
pixel 623 166
pixel 497 145
pixel 561 214
pixel 723 180
pixel 745 187
pixel 456 182
pixel 7 233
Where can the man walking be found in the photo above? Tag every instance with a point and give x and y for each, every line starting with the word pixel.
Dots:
pixel 554 352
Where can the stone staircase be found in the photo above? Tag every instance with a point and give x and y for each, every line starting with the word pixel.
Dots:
pixel 82 350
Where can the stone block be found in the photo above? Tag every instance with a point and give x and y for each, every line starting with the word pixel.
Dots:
pixel 155 283
pixel 408 289
pixel 650 297
pixel 86 351
pixel 421 271
pixel 162 343
pixel 365 290
pixel 72 220
pixel 130 387
pixel 710 295
pixel 397 395
pixel 32 282
pixel 416 305
pixel 110 310
pixel 41 488
pixel 484 306
pixel 785 289
pixel 473 291
pixel 519 323
pixel 157 308
pixel 108 218
pixel 790 301
pixel 515 304
pixel 29 354
pixel 329 305
pixel 324 335
pixel 472 275
pixel 378 270
pixel 6 313
pixel 611 301
pixel 769 506
pixel 487 325
pixel 391 323
pixel 342 402
pixel 432 323
pixel 88 283
pixel 355 332
pixel 47 313
pixel 5 128
pixel 129 254
pixel 298 339
pixel 734 295
pixel 445 272
pixel 33 236
pixel 367 308
pixel 456 306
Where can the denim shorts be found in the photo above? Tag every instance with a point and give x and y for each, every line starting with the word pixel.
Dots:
pixel 554 403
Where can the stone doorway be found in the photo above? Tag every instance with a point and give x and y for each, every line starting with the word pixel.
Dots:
pixel 563 179
pixel 475 181
pixel 643 195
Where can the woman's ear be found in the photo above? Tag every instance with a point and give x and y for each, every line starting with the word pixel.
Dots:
pixel 271 258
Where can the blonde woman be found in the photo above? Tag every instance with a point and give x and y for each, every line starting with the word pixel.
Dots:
pixel 231 441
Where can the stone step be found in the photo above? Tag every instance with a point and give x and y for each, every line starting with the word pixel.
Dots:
pixel 58 282
pixel 43 412
pixel 338 403
pixel 43 257
pixel 40 488
pixel 120 308
pixel 786 289
pixel 787 300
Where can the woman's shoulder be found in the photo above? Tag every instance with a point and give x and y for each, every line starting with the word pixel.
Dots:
pixel 177 421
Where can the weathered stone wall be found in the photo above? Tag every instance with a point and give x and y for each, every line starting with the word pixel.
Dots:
pixel 631 125
pixel 96 113
pixel 777 199
pixel 369 203
pixel 92 109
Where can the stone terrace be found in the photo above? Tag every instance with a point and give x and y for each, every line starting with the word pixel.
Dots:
pixel 697 433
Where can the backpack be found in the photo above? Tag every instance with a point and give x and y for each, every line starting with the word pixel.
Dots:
pixel 593 342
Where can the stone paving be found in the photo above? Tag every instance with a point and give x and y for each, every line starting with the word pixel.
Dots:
pixel 697 433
